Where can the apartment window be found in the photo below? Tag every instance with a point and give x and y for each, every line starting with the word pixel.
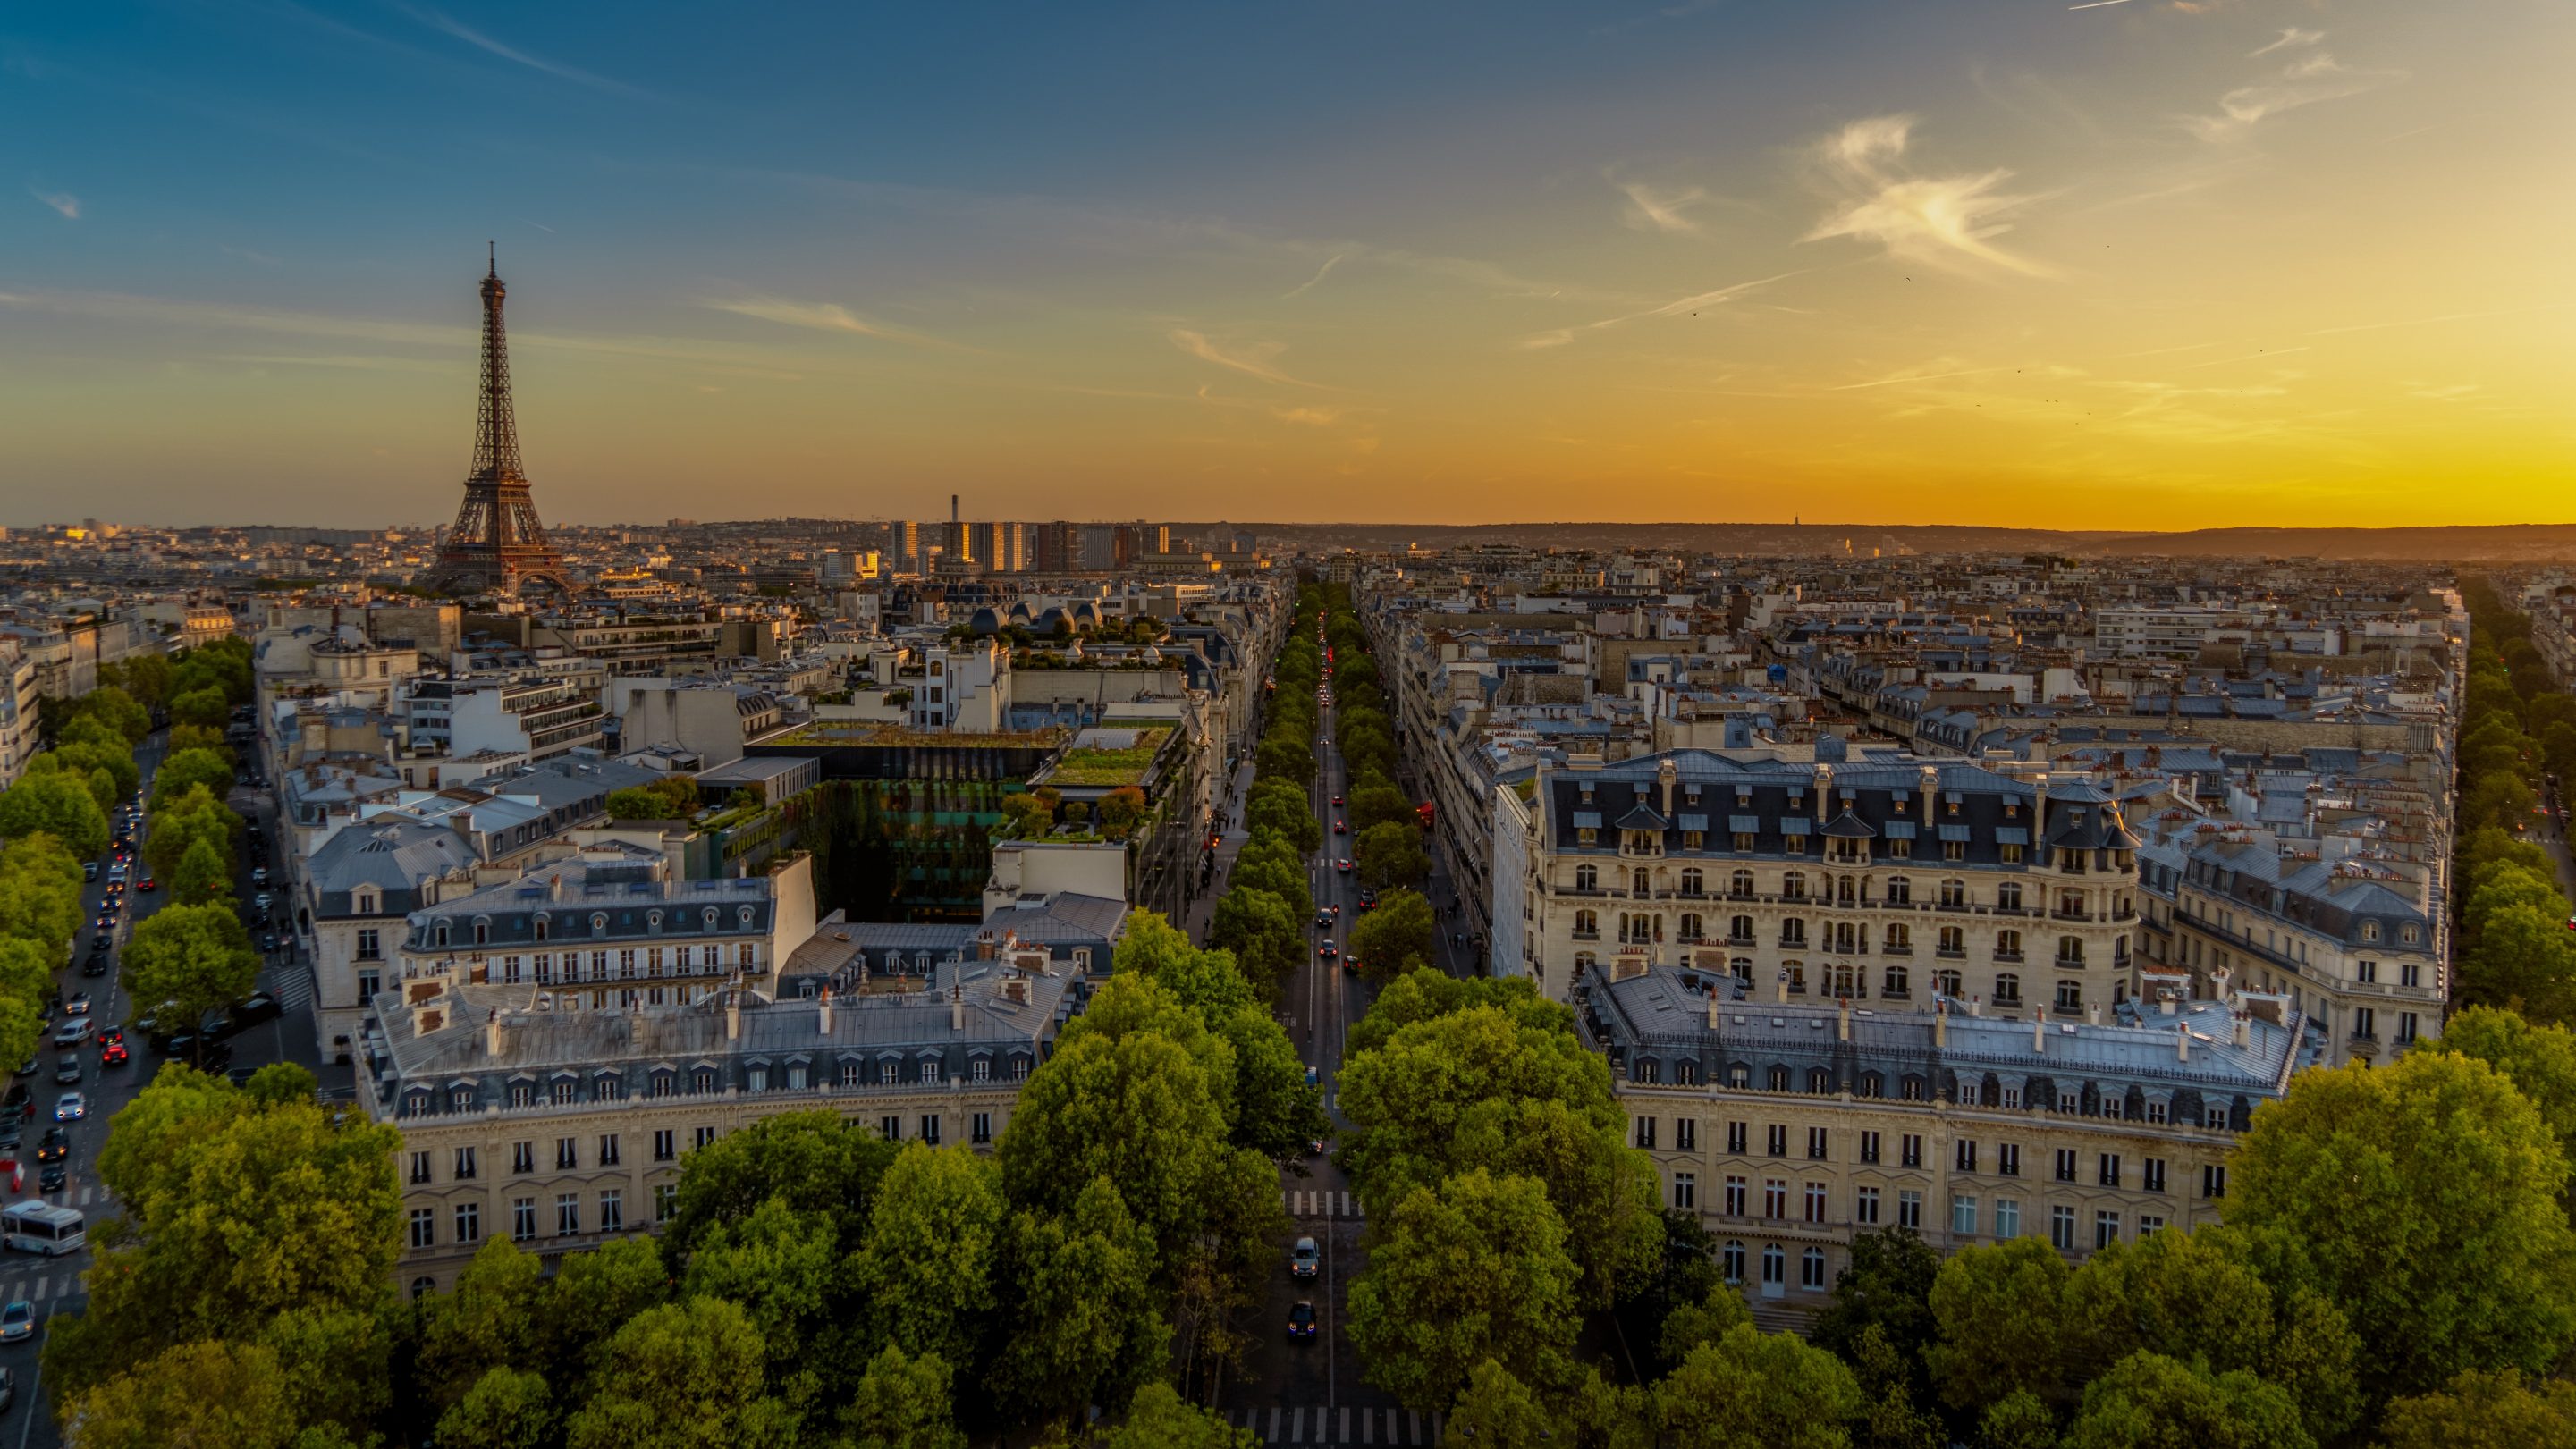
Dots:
pixel 1735 1134
pixel 1909 1209
pixel 2365 1023
pixel 1913 1149
pixel 2106 1229
pixel 981 1070
pixel 2061 1229
pixel 1865 1206
pixel 1869 1147
pixel 1775 1140
pixel 567 1152
pixel 2008 1158
pixel 420 1167
pixel 1963 1155
pixel 1646 1133
pixel 2213 1179
pixel 424 1227
pixel 523 1220
pixel 666 1144
pixel 567 1214
pixel 2007 1218
pixel 1775 1197
pixel 1685 1191
pixel 368 985
pixel 612 1211
pixel 1735 1196
pixel 2156 1112
pixel 1685 1134
pixel 705 1135
pixel 2149 1224
pixel 370 948
pixel 1775 1265
pixel 1815 1202
pixel 608 1150
pixel 566 1093
pixel 510 971
pixel 890 1128
pixel 1732 1257
pixel 930 1128
pixel 465 1164
pixel 1811 1268
pixel 523 1157
pixel 980 1128
pixel 2409 974
pixel 2106 1170
pixel 2152 1174
pixel 1816 1142
pixel 1963 1215
pixel 2405 1027
pixel 469 1223
pixel 2066 1164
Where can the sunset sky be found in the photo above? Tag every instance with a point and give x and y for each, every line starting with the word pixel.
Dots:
pixel 2139 264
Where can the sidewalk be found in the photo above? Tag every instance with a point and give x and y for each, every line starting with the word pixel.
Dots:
pixel 1229 845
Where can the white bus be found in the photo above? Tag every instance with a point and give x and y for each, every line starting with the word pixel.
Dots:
pixel 41 1227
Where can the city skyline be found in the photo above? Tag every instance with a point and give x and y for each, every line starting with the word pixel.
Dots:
pixel 2141 265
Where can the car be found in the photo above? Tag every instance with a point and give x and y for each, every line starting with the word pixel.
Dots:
pixel 149 884
pixel 111 1036
pixel 1305 1260
pixel 77 1004
pixel 89 870
pixel 1314 1077
pixel 54 1146
pixel 259 875
pixel 67 1068
pixel 1341 827
pixel 70 1107
pixel 113 1054
pixel 257 1007
pixel 28 1069
pixel 96 965
pixel 16 1100
pixel 74 1031
pixel 1368 899
pixel 260 900
pixel 1343 865
pixel 18 1322
pixel 53 1177
pixel 1337 799
pixel 1323 918
pixel 1301 1321
pixel 1328 950
pixel 98 944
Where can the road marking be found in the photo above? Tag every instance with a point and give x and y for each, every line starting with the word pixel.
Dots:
pixel 1345 1435
pixel 1368 1426
pixel 1416 1421
pixel 1273 1435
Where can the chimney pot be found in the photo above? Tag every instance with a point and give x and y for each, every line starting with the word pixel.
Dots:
pixel 2039 1028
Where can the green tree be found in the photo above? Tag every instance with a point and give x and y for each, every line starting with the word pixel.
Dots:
pixel 1086 1327
pixel 783 1269
pixel 1887 1285
pixel 205 706
pixel 1391 855
pixel 184 961
pixel 1285 807
pixel 1472 1269
pixel 58 804
pixel 642 802
pixel 682 1375
pixel 817 1162
pixel 188 769
pixel 2018 1420
pixel 1121 811
pixel 1270 865
pixel 1026 817
pixel 175 827
pixel 1376 805
pixel 2484 1411
pixel 1693 1326
pixel 40 894
pixel 506 1408
pixel 1267 940
pixel 2149 1401
pixel 110 754
pixel 1158 1419
pixel 2384 1183
pixel 26 975
pixel 203 878
pixel 234 1212
pixel 1396 937
pixel 1756 1390
pixel 2002 1317
pixel 902 1402
pixel 119 711
pixel 596 1294
pixel 1498 1411
pixel 489 1322
pixel 2540 1061
pixel 209 1393
pixel 198 737
pixel 933 1261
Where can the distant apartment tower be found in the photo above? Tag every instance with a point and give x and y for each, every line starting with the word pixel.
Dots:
pixel 903 546
pixel 1056 548
pixel 1002 548
pixel 1137 542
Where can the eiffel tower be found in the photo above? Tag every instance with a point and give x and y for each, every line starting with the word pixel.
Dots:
pixel 497 545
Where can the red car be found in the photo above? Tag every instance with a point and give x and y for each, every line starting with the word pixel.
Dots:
pixel 1337 799
pixel 1344 864
pixel 149 884
pixel 1341 827
pixel 112 1054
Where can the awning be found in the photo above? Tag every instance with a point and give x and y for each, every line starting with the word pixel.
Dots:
pixel 1695 822
pixel 2011 835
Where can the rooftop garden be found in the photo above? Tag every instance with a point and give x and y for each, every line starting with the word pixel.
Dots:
pixel 866 732
pixel 1089 766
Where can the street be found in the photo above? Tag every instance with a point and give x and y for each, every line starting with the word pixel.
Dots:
pixel 54 1285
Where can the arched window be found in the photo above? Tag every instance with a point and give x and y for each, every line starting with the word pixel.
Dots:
pixel 482 930
pixel 2070 950
pixel 1587 923
pixel 1733 1259
pixel 1740 929
pixel 1899 981
pixel 423 1287
pixel 1775 1265
pixel 1587 878
pixel 1900 891
pixel 1900 937
pixel 438 934
pixel 541 926
pixel 1953 941
pixel 1946 982
pixel 1693 883
pixel 2370 930
pixel 2008 896
pixel 2007 989
pixel 2007 945
pixel 1954 894
pixel 1640 887
pixel 1811 1268
pixel 1793 931
pixel 1793 886
pixel 1740 883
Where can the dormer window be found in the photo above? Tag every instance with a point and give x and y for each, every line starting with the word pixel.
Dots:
pixel 599 923
pixel 482 930
pixel 742 914
pixel 653 919
pixel 366 902
pixel 708 917
pixel 541 926
pixel 438 934
pixel 2406 934
pixel 2370 930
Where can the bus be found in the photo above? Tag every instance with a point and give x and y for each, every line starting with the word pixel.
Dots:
pixel 41 1227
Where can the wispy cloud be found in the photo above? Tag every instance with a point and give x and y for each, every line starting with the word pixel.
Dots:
pixel 820 317
pixel 2303 82
pixel 62 201
pixel 244 254
pixel 2291 39
pixel 455 29
pixel 354 363
pixel 1321 272
pixel 1945 221
pixel 1251 361
pixel 1654 208
pixel 1679 306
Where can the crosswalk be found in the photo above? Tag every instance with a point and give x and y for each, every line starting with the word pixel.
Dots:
pixel 42 1287
pixel 291 982
pixel 1318 1203
pixel 1341 1426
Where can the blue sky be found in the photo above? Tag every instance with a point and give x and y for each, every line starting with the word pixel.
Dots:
pixel 2125 263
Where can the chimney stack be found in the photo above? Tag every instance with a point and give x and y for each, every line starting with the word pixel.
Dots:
pixel 1780 986
pixel 1842 1018
pixel 2039 1027
pixel 1941 1024
pixel 733 1013
pixel 824 1011
pixel 493 1035
pixel 956 1006
pixel 2244 1029
pixel 2182 1041
pixel 1712 1010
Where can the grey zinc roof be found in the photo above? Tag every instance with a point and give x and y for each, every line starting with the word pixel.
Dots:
pixel 395 856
